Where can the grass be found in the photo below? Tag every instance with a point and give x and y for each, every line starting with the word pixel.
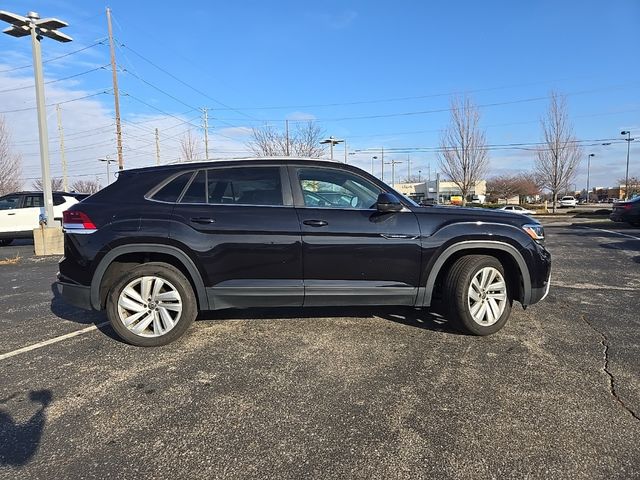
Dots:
pixel 11 261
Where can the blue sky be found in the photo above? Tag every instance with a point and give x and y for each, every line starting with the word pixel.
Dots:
pixel 339 63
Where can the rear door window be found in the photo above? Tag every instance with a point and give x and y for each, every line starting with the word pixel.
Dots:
pixel 33 201
pixel 245 186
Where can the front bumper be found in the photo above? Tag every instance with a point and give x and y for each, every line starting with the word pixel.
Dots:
pixel 74 294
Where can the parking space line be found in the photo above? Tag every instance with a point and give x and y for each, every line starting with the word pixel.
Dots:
pixel 615 233
pixel 52 341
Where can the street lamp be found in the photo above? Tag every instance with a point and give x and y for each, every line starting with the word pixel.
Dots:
pixel 372 159
pixel 38 28
pixel 588 168
pixel 108 160
pixel 331 141
pixel 419 173
pixel 626 177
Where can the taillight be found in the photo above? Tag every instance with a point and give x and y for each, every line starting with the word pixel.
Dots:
pixel 628 206
pixel 76 221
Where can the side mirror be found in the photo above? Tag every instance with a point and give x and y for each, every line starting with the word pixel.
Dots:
pixel 387 202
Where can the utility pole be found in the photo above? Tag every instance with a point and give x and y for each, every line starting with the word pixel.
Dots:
pixel 393 164
pixel 65 185
pixel 157 147
pixel 116 94
pixel 437 188
pixel 408 167
pixel 346 151
pixel 37 28
pixel 382 165
pixel 331 141
pixel 286 134
pixel 626 177
pixel 205 120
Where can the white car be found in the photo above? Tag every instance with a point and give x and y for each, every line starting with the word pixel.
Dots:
pixel 20 212
pixel 517 209
pixel 568 201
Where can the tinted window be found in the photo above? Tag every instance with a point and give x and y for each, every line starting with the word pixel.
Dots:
pixel 245 186
pixel 330 188
pixel 10 202
pixel 33 201
pixel 196 192
pixel 172 190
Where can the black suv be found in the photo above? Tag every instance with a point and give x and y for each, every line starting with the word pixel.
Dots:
pixel 162 243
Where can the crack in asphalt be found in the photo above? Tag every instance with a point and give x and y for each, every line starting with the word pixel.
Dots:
pixel 604 341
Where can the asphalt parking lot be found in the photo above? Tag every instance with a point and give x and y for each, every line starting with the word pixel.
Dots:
pixel 333 393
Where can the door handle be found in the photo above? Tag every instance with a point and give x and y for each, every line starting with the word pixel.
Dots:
pixel 392 236
pixel 203 220
pixel 316 223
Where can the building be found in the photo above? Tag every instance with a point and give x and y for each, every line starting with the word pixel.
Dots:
pixel 447 189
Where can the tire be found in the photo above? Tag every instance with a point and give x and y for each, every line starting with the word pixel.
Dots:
pixel 492 301
pixel 5 241
pixel 178 302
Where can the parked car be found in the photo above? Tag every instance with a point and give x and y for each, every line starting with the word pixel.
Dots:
pixel 568 201
pixel 517 209
pixel 627 211
pixel 162 243
pixel 20 212
pixel 425 202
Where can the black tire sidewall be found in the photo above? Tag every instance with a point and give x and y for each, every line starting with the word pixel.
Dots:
pixel 168 273
pixel 459 306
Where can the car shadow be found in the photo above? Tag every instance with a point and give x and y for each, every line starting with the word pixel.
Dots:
pixel 19 442
pixel 412 317
pixel 63 310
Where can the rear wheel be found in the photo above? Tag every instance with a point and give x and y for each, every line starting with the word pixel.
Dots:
pixel 151 305
pixel 477 296
pixel 5 241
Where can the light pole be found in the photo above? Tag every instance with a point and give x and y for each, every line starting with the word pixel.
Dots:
pixel 588 168
pixel 332 141
pixel 419 173
pixel 38 28
pixel 372 159
pixel 626 176
pixel 108 161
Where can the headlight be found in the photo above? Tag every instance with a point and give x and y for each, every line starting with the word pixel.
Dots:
pixel 535 231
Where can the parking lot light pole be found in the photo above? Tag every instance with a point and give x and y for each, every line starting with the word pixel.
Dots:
pixel 32 25
pixel 108 160
pixel 332 141
pixel 588 168
pixel 626 176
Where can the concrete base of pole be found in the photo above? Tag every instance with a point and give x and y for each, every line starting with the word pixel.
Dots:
pixel 48 241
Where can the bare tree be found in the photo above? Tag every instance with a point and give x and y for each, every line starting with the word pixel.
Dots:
pixel 463 156
pixel 507 186
pixel 10 163
pixel 559 155
pixel 86 186
pixel 633 186
pixel 303 141
pixel 56 184
pixel 189 147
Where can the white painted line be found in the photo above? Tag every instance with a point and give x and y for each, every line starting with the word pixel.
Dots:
pixel 52 341
pixel 615 233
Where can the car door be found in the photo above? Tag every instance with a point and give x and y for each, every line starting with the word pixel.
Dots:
pixel 9 212
pixel 353 254
pixel 241 224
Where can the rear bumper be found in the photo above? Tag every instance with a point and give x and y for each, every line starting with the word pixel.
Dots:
pixel 74 294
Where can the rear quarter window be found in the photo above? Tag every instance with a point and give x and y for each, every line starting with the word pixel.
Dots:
pixel 172 190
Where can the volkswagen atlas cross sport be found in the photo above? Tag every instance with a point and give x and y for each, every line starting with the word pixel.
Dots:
pixel 162 243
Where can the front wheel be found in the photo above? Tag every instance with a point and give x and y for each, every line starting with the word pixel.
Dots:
pixel 151 305
pixel 477 295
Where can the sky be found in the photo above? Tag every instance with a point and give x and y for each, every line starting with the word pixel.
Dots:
pixel 378 74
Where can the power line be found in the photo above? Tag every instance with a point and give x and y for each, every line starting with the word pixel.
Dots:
pixel 100 42
pixel 58 103
pixel 54 81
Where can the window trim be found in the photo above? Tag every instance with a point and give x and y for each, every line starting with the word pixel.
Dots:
pixel 285 184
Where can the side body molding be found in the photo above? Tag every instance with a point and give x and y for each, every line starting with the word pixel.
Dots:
pixel 150 248
pixel 472 245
